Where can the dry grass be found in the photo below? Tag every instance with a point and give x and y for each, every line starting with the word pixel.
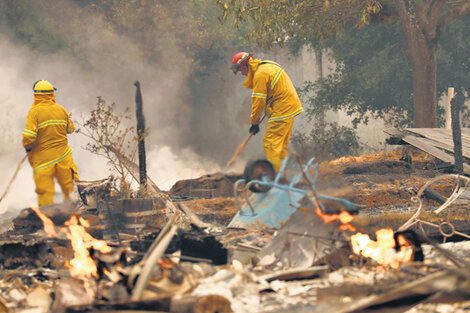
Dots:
pixel 216 210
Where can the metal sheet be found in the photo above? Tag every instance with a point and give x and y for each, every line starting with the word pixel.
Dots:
pixel 272 209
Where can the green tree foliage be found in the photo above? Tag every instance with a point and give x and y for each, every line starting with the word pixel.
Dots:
pixel 157 27
pixel 373 76
pixel 326 141
pixel 26 21
pixel 453 58
pixel 422 22
pixel 274 21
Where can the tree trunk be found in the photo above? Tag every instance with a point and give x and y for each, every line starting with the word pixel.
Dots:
pixel 422 54
pixel 423 59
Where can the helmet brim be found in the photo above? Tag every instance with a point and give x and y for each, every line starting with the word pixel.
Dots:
pixel 234 68
pixel 45 91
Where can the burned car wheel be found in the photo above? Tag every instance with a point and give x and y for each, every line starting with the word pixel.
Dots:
pixel 256 170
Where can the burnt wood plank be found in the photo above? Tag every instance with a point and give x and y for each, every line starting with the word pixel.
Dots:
pixel 441 134
pixel 445 146
pixel 436 152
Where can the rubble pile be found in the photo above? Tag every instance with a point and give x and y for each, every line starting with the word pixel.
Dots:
pixel 218 210
pixel 362 236
pixel 216 185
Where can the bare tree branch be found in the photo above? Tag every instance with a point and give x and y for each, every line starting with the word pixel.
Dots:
pixel 104 128
pixel 428 16
pixel 454 14
pixel 458 1
pixel 422 16
pixel 427 5
pixel 435 13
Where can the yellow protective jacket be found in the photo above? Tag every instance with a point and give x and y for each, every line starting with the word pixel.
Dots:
pixel 47 124
pixel 273 91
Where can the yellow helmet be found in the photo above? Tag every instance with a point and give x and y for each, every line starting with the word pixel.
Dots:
pixel 43 86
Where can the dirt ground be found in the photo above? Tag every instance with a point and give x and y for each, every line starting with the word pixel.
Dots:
pixel 379 181
pixel 217 210
pixel 382 183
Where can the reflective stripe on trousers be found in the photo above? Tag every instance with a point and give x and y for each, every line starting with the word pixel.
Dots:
pixel 276 139
pixel 65 171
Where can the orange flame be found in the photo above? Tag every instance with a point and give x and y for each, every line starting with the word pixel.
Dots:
pixel 82 265
pixel 78 225
pixel 383 250
pixel 49 226
pixel 84 222
pixel 344 217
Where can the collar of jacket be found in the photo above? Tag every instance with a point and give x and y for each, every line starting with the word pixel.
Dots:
pixel 44 99
pixel 253 65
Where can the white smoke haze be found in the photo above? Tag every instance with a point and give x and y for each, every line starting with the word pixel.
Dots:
pixel 111 66
pixel 166 167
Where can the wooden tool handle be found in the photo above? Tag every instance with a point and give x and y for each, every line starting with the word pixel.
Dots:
pixel 13 177
pixel 242 146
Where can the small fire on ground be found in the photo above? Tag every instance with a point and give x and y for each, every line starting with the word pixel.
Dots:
pixel 82 266
pixel 383 250
pixel 344 217
pixel 49 226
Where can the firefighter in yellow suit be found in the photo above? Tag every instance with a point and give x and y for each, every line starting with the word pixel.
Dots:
pixel 274 93
pixel 45 141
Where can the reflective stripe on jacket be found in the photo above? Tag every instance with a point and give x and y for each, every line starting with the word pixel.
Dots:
pixel 273 91
pixel 47 124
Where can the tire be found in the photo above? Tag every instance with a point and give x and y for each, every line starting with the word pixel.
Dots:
pixel 255 170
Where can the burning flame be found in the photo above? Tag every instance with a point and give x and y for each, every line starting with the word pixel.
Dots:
pixel 82 265
pixel 344 217
pixel 78 226
pixel 383 250
pixel 49 226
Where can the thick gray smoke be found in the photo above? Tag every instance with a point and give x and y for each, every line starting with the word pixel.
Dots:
pixel 196 110
pixel 111 66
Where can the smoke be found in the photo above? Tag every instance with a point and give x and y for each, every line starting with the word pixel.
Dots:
pixel 100 62
pixel 167 166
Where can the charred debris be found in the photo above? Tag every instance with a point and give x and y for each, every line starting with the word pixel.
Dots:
pixel 375 233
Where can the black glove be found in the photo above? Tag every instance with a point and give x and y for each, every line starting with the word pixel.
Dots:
pixel 254 129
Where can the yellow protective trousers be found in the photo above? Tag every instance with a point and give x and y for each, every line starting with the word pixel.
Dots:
pixel 276 139
pixel 65 171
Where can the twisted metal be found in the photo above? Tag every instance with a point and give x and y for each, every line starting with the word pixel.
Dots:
pixel 458 191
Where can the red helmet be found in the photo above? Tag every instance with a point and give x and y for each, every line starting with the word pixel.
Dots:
pixel 239 59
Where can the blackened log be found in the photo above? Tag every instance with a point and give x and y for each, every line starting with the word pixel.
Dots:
pixel 434 195
pixel 133 169
pixel 141 135
pixel 456 135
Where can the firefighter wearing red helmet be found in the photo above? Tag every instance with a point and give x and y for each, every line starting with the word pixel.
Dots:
pixel 274 93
